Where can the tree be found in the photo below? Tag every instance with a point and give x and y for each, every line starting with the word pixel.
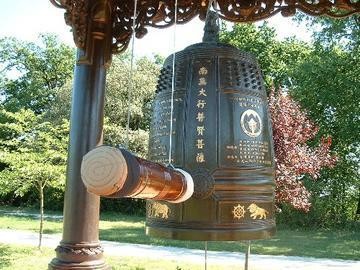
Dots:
pixel 136 140
pixel 141 83
pixel 294 158
pixel 32 73
pixel 276 58
pixel 326 83
pixel 38 78
pixel 33 155
pixel 33 150
pixel 61 104
pixel 344 33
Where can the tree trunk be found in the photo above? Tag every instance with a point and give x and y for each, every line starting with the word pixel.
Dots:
pixel 41 191
pixel 358 208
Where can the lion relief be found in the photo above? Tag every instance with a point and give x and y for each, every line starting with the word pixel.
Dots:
pixel 257 212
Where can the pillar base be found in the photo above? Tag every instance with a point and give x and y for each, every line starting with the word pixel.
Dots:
pixel 78 256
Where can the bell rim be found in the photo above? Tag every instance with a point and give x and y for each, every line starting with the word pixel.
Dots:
pixel 211 235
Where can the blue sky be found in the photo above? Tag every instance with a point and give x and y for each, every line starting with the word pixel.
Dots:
pixel 26 19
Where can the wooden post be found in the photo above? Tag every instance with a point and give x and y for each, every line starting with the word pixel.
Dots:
pixel 80 247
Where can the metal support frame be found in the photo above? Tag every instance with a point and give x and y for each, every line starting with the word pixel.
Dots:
pixel 80 247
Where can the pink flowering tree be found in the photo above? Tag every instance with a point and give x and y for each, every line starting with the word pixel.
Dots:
pixel 294 158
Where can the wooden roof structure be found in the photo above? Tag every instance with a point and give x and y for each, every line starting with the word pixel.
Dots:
pixel 160 13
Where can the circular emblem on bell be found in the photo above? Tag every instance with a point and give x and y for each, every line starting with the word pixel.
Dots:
pixel 251 123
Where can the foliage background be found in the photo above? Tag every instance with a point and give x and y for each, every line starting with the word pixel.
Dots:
pixel 322 76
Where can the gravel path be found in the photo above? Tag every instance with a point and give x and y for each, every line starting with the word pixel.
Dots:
pixel 182 254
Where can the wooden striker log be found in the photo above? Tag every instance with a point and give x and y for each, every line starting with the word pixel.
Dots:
pixel 112 172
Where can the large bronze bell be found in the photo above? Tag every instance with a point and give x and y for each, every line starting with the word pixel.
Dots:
pixel 222 136
pixel 218 122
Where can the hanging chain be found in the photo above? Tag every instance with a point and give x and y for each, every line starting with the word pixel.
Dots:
pixel 211 2
pixel 172 84
pixel 131 76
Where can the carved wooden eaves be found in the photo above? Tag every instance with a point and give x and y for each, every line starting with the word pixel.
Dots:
pixel 160 14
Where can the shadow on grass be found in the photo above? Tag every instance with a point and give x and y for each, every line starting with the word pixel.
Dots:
pixel 319 244
pixel 111 216
pixel 30 217
pixel 51 231
pixel 29 223
pixel 136 235
pixel 339 244
pixel 5 255
pixel 121 234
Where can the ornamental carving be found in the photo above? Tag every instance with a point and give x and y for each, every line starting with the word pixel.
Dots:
pixel 160 14
pixel 204 183
pixel 85 251
pixel 76 15
pixel 251 123
pixel 159 210
pixel 257 212
pixel 238 211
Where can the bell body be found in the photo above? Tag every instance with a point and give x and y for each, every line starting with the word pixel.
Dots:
pixel 222 136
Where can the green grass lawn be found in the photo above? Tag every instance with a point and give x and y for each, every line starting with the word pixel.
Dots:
pixel 116 227
pixel 14 257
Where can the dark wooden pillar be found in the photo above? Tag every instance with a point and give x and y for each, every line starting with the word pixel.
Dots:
pixel 80 247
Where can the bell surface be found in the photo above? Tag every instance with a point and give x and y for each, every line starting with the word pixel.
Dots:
pixel 222 136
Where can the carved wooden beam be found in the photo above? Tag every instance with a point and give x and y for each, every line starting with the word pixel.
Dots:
pixel 160 14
